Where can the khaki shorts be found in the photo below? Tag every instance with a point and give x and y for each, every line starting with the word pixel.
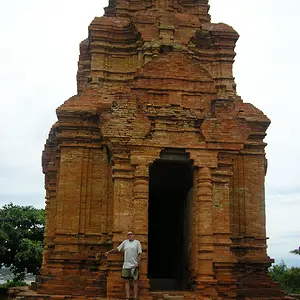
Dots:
pixel 126 273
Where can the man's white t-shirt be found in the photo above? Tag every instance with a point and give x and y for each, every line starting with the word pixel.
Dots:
pixel 131 249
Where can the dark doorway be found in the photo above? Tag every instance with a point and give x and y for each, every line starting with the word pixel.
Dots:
pixel 169 193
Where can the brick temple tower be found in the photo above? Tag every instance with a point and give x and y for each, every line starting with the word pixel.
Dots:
pixel 157 141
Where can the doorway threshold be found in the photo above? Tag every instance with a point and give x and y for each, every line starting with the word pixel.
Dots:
pixel 173 295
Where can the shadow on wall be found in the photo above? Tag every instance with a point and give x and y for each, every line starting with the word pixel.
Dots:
pixel 3 294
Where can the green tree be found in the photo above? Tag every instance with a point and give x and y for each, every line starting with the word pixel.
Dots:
pixel 21 238
pixel 296 251
pixel 288 278
pixel 277 272
pixel 291 280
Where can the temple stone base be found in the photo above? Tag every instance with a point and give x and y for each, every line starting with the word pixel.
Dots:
pixel 22 293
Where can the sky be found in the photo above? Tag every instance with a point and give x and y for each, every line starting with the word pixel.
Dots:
pixel 38 58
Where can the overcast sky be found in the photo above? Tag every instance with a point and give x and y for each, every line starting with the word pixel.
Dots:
pixel 38 58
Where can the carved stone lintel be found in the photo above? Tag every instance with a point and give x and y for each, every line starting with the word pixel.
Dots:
pixel 204 158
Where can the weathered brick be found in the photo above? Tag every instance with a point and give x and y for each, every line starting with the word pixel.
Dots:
pixel 155 78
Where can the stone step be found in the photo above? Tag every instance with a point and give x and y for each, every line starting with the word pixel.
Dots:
pixel 173 297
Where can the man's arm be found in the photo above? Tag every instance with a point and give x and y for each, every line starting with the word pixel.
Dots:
pixel 139 254
pixel 139 259
pixel 111 251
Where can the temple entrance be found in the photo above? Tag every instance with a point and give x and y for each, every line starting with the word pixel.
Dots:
pixel 170 198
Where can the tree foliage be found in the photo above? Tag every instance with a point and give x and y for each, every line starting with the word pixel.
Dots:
pixel 288 278
pixel 296 251
pixel 21 237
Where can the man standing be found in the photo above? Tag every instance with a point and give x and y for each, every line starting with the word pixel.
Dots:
pixel 132 256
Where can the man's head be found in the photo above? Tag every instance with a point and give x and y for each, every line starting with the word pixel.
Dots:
pixel 130 236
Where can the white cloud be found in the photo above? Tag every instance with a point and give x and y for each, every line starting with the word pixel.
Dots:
pixel 38 57
pixel 266 72
pixel 283 226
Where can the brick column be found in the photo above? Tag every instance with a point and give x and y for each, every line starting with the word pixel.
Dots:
pixel 205 277
pixel 122 222
pixel 140 220
pixel 141 195
pixel 224 260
